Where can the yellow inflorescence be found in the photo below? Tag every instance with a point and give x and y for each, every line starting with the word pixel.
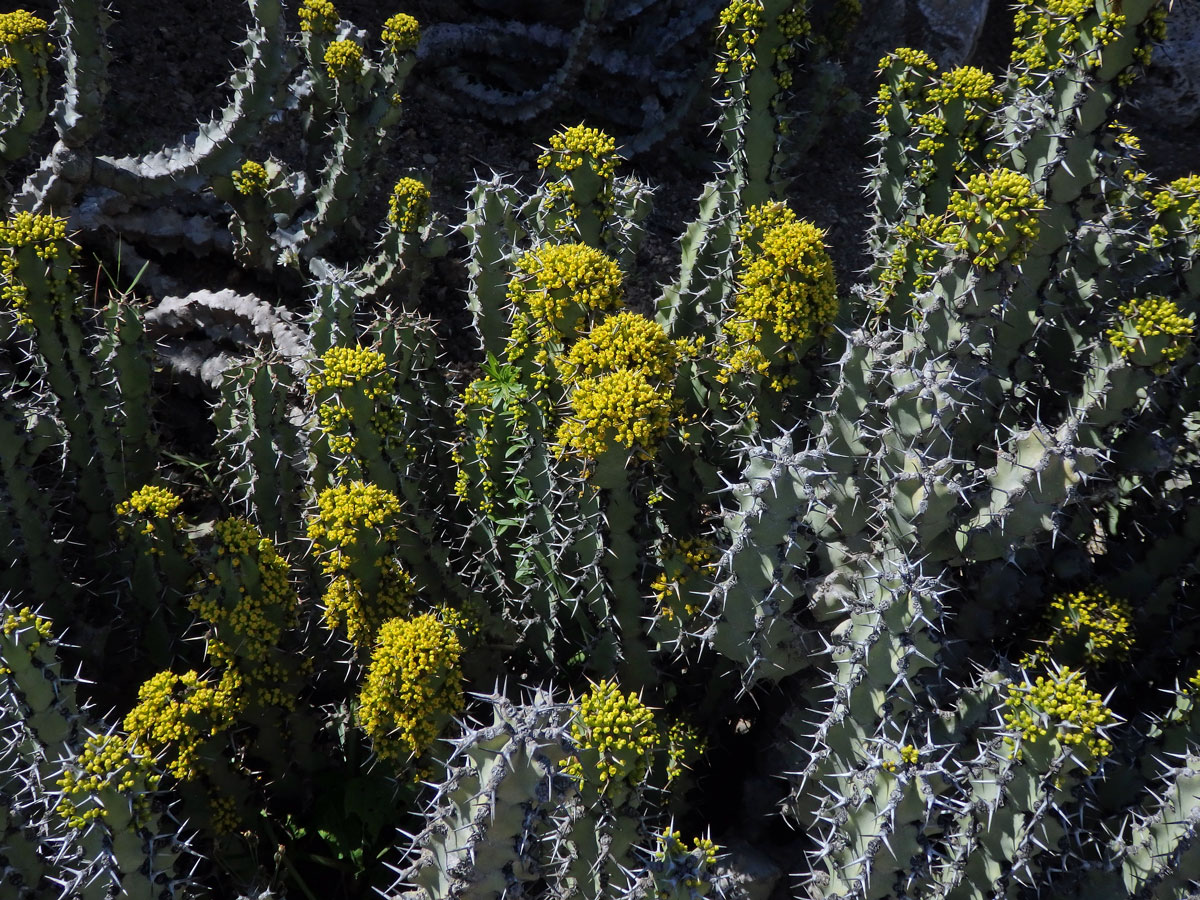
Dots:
pixel 356 520
pixel 1059 705
pixel 1181 197
pixel 910 755
pixel 1091 627
pixel 622 408
pixel 412 687
pixel 1153 318
pixel 20 24
pixel 250 178
pixel 684 745
pixel 619 729
pixel 343 59
pixel 153 502
pixel 401 33
pixel 577 146
pixel 408 207
pixel 47 235
pixel 347 604
pixel 26 618
pixel 319 16
pixel 758 220
pixel 788 295
pixel 998 211
pixel 966 83
pixel 183 712
pixel 683 563
pixel 626 340
pixel 246 632
pixel 740 25
pixel 106 763
pixel 346 366
pixel 27 228
pixel 560 285
pixel 346 512
pixel 23 28
pixel 365 371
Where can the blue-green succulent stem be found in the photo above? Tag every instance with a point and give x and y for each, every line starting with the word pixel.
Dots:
pixel 625 529
pixel 265 459
pixel 219 145
pixel 494 228
pixel 85 56
pixel 33 558
pixel 40 283
pixel 24 72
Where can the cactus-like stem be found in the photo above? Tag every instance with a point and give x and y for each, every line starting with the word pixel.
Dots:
pixel 758 41
pixel 219 144
pixel 24 71
pixel 33 558
pixel 265 456
pixel 39 283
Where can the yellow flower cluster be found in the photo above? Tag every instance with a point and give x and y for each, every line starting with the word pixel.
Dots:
pixel 183 712
pixel 623 408
pixel 364 371
pixel 223 814
pixel 248 628
pixel 740 25
pixel 616 734
pixel 998 212
pixel 347 512
pixel 408 207
pixel 1059 705
pixel 1049 32
pixel 401 33
pixel 1181 198
pixel 966 83
pixel 20 24
pixel 23 28
pixel 907 63
pixel 1089 627
pixel 684 745
pixel 909 755
pixel 106 763
pixel 346 366
pixel 47 235
pixel 354 524
pixel 26 618
pixel 413 686
pixel 27 228
pixel 343 59
pixel 250 178
pixel 150 501
pixel 577 146
pixel 1153 332
pixel 626 340
pixel 361 613
pixel 683 563
pixel 757 221
pixel 787 295
pixel 560 285
pixel 318 16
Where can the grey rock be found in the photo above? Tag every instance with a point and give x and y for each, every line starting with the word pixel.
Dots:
pixel 955 26
pixel 1170 92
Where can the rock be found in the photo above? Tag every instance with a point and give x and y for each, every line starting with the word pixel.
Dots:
pixel 955 26
pixel 1170 92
